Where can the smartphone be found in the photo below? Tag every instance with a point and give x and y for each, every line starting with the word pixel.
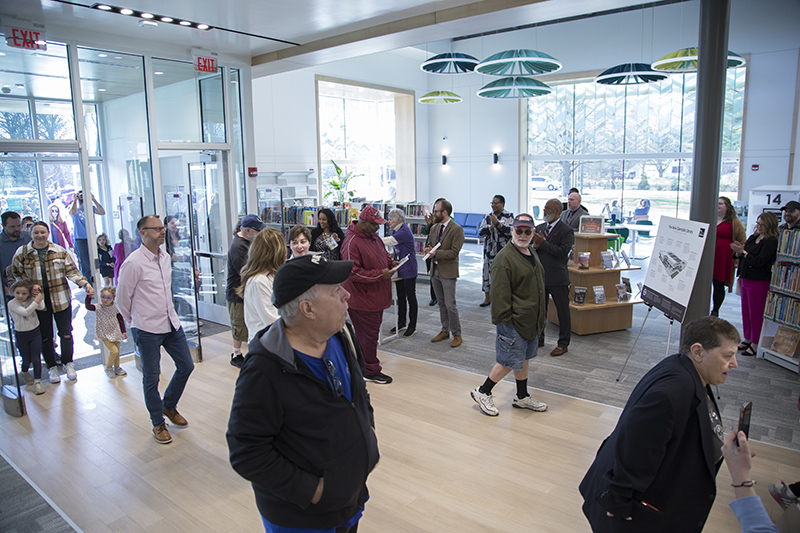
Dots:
pixel 744 419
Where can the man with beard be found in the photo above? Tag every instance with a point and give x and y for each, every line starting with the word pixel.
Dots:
pixel 791 216
pixel 11 239
pixel 518 311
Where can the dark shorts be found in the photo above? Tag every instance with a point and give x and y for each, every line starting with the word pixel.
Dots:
pixel 512 349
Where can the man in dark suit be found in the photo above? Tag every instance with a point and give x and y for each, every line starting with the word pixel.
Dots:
pixel 444 269
pixel 553 241
pixel 657 471
pixel 572 215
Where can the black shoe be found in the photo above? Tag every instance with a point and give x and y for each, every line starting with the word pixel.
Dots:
pixel 395 330
pixel 410 332
pixel 237 360
pixel 381 378
pixel 485 304
pixel 432 303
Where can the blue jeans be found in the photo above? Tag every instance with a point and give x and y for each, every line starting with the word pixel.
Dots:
pixel 84 263
pixel 149 345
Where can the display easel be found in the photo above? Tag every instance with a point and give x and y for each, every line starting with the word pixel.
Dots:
pixel 669 338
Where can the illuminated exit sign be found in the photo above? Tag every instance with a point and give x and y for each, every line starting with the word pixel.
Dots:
pixel 205 61
pixel 24 34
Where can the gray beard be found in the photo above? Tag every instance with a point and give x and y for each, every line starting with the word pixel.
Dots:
pixel 549 218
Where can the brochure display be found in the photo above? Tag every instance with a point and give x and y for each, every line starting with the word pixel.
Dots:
pixel 670 278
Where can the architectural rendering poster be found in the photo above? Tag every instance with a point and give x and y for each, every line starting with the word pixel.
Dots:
pixel 673 265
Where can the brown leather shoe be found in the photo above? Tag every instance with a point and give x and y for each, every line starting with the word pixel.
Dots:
pixel 161 434
pixel 541 341
pixel 443 335
pixel 456 341
pixel 559 350
pixel 175 417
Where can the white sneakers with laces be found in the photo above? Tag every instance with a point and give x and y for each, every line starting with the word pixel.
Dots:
pixel 71 374
pixel 485 402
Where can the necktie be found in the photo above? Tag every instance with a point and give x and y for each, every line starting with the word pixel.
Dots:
pixel 569 217
pixel 546 231
pixel 441 230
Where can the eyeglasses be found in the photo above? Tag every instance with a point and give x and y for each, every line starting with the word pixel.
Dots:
pixel 521 231
pixel 336 384
pixel 107 297
pixel 156 228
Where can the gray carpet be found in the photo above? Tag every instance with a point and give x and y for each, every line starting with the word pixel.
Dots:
pixel 590 368
pixel 22 509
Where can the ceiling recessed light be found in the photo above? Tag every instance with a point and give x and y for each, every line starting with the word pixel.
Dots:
pixel 102 55
pixel 101 90
pixel 126 11
pixel 147 15
pixel 185 23
pixel 157 73
pixel 104 7
pixel 147 23
pixel 2 53
pixel 202 26
pixel 19 86
pixel 117 57
pixel 167 19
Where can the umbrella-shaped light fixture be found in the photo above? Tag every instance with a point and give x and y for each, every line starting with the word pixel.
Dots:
pixel 685 60
pixel 440 97
pixel 514 87
pixel 450 63
pixel 518 63
pixel 630 74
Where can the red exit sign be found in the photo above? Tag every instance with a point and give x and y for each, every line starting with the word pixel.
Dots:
pixel 205 61
pixel 30 36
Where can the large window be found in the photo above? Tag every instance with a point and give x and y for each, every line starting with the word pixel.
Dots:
pixel 626 144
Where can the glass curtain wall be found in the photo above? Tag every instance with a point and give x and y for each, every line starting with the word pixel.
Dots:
pixel 628 149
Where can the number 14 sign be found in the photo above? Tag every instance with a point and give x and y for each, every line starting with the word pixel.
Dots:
pixel 769 198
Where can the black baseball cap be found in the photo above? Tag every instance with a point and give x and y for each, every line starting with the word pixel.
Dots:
pixel 298 275
pixel 524 220
pixel 791 206
pixel 252 221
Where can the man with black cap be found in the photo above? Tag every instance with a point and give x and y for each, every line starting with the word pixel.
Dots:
pixel 301 428
pixel 518 311
pixel 791 216
pixel 249 227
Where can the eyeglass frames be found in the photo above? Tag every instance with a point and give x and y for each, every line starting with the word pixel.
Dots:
pixel 336 384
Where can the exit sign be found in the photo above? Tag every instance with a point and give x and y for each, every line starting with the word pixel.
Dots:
pixel 24 34
pixel 205 61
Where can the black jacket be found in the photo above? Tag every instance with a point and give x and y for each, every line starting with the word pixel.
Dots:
pixel 237 257
pixel 554 253
pixel 287 429
pixel 757 264
pixel 661 452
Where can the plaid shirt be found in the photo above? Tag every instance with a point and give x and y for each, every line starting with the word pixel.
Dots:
pixel 59 266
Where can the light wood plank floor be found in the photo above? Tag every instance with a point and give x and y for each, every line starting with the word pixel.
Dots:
pixel 444 466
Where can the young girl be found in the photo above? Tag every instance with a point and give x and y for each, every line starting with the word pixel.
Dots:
pixel 27 299
pixel 109 327
pixel 105 258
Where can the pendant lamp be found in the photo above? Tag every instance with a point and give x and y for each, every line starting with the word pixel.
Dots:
pixel 518 63
pixel 440 97
pixel 450 63
pixel 514 87
pixel 630 74
pixel 685 60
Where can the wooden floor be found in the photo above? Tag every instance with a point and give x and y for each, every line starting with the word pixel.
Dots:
pixel 444 467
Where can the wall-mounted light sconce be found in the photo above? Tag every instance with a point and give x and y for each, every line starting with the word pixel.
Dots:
pixel 495 158
pixel 444 159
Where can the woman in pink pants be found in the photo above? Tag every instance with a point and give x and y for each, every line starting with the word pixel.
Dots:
pixel 756 258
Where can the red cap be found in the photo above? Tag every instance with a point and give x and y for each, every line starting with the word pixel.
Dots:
pixel 372 214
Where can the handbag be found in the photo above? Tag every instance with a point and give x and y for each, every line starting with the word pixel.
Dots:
pixel 737 287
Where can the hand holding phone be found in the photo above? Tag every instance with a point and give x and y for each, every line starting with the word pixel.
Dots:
pixel 744 420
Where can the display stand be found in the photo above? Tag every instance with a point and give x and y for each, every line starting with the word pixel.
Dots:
pixel 591 317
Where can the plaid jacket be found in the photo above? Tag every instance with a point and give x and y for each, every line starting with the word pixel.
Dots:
pixel 59 266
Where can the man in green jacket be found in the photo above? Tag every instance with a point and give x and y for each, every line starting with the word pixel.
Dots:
pixel 518 311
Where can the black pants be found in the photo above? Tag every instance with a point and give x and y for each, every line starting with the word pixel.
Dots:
pixel 29 344
pixel 560 294
pixel 719 288
pixel 407 291
pixel 64 326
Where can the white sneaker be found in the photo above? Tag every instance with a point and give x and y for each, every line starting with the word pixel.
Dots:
pixel 110 372
pixel 485 402
pixel 37 387
pixel 71 374
pixel 529 402
pixel 54 377
pixel 119 371
pixel 26 376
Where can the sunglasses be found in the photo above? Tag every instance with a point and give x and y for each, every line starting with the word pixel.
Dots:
pixel 523 231
pixel 336 384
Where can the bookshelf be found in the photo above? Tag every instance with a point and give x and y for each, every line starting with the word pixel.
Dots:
pixel 782 312
pixel 591 317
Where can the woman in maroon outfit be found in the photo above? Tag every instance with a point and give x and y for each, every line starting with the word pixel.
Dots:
pixel 729 230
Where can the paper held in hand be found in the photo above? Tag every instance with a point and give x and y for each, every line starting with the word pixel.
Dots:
pixel 428 255
pixel 400 263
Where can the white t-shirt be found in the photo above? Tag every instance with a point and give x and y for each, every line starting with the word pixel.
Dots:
pixel 258 309
pixel 24 314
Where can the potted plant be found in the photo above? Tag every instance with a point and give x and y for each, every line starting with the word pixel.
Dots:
pixel 338 186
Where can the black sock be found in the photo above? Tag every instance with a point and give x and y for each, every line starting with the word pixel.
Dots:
pixel 522 388
pixel 487 386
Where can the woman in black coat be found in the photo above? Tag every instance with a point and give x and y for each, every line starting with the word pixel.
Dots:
pixel 327 237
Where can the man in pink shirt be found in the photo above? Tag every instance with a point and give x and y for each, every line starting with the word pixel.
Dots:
pixel 144 298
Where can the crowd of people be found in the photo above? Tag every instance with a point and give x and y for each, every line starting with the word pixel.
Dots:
pixel 302 429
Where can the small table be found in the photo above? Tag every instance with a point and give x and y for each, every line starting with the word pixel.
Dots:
pixel 635 229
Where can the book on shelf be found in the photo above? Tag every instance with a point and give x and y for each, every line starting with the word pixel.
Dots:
pixel 593 225
pixel 782 308
pixel 599 294
pixel 417 210
pixel 583 260
pixel 625 258
pixel 622 292
pixel 789 243
pixel 786 341
pixel 579 297
pixel 627 283
pixel 608 259
pixel 786 276
pixel 616 259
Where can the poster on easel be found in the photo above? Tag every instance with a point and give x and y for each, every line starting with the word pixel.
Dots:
pixel 673 265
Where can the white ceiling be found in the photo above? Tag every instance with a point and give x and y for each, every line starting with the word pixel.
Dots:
pixel 323 30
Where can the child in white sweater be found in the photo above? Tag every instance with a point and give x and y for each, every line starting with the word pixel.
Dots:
pixel 28 298
pixel 109 327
